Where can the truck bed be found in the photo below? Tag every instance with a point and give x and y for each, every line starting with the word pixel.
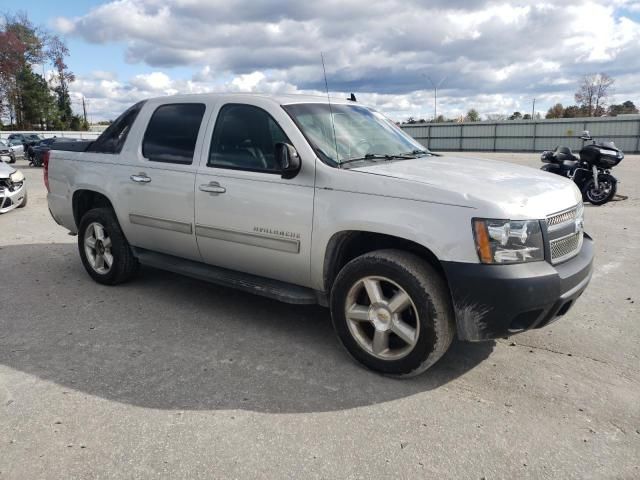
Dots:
pixel 79 146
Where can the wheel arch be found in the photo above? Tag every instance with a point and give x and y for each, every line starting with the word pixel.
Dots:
pixel 84 200
pixel 346 245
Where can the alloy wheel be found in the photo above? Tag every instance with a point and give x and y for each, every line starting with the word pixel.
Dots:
pixel 97 247
pixel 382 318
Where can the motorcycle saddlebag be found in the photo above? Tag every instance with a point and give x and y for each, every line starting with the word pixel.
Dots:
pixel 548 157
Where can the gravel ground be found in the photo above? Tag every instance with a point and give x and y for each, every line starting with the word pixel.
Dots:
pixel 168 377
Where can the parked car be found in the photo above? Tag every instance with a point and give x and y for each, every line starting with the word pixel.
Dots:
pixel 25 138
pixel 35 152
pixel 13 189
pixel 6 152
pixel 17 147
pixel 304 201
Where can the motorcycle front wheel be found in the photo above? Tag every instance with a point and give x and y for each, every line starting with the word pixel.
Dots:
pixel 606 190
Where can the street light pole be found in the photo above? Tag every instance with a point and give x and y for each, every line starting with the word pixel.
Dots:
pixel 533 110
pixel 435 95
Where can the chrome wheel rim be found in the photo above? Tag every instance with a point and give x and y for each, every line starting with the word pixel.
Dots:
pixel 97 247
pixel 600 193
pixel 382 318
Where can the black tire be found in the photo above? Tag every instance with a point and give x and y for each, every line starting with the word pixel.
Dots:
pixel 124 264
pixel 589 192
pixel 429 296
pixel 24 201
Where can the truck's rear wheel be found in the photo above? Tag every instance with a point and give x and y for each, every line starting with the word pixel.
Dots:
pixel 105 252
pixel 392 312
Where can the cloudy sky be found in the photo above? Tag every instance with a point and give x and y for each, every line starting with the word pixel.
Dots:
pixel 495 57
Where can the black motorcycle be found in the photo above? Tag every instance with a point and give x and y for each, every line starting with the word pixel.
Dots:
pixel 591 171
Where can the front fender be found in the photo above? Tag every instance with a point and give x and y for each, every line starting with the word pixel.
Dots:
pixel 445 230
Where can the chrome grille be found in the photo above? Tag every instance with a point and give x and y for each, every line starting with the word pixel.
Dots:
pixel 565 233
pixel 566 247
pixel 564 216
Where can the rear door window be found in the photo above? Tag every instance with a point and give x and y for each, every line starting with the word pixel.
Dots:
pixel 172 133
pixel 113 138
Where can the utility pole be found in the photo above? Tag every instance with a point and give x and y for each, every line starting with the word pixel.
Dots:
pixel 84 110
pixel 533 110
pixel 435 95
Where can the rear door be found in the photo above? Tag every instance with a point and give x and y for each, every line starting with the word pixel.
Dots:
pixel 158 184
pixel 249 218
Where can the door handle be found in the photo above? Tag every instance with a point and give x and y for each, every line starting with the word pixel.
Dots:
pixel 212 187
pixel 140 178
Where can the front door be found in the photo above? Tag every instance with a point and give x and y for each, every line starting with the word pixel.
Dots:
pixel 249 218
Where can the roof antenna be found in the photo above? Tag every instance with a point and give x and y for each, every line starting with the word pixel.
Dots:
pixel 333 126
pixel 352 97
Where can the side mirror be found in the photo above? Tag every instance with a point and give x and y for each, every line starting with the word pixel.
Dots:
pixel 586 135
pixel 287 159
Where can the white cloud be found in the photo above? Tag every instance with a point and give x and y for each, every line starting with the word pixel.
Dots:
pixel 494 54
pixel 156 81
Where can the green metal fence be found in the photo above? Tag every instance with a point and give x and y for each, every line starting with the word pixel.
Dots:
pixel 526 135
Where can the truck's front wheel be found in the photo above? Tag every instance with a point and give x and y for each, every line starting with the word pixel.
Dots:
pixel 392 312
pixel 104 250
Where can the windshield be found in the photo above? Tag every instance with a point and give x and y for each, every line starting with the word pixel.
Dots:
pixel 360 133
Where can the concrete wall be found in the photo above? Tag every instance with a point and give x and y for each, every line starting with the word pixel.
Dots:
pixel 526 135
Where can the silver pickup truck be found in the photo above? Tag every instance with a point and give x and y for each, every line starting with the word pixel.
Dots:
pixel 310 201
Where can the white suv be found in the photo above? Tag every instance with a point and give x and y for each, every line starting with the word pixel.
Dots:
pixel 307 201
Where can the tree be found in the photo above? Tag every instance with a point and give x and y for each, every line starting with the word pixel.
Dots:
pixel 573 111
pixel 31 37
pixel 472 116
pixel 77 123
pixel 22 45
pixel 526 116
pixel 623 108
pixel 25 97
pixel 557 111
pixel 440 119
pixel 593 92
pixel 57 51
pixel 38 104
pixel 516 116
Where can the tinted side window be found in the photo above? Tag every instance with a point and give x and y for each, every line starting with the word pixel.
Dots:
pixel 244 138
pixel 172 133
pixel 113 138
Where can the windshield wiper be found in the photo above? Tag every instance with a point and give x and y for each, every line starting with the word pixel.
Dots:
pixel 378 156
pixel 417 152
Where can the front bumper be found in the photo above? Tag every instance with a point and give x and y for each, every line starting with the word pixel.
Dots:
pixel 12 199
pixel 494 301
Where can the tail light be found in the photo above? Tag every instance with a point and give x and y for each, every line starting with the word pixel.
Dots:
pixel 45 164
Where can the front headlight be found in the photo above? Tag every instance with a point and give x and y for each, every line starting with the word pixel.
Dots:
pixel 508 241
pixel 16 177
